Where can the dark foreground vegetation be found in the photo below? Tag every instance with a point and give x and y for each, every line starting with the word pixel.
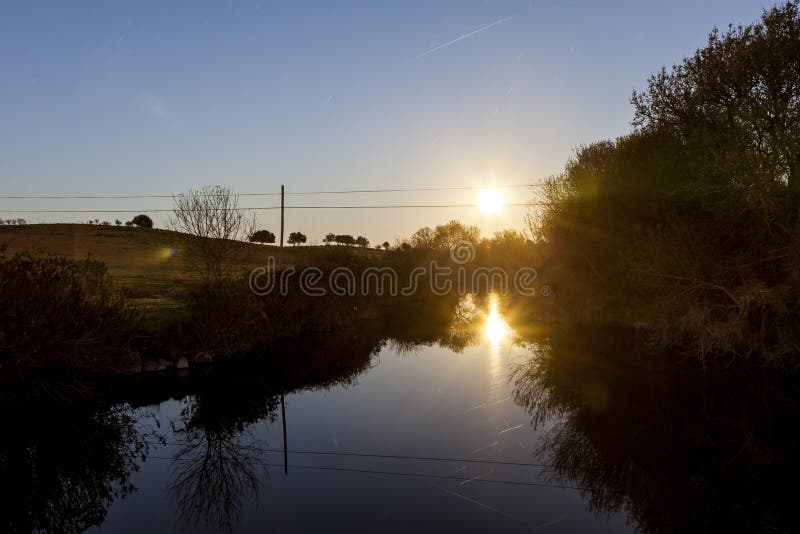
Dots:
pixel 690 225
pixel 60 314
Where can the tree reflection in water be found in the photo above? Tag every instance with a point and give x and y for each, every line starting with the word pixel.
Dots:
pixel 219 463
pixel 62 467
pixel 453 324
pixel 678 447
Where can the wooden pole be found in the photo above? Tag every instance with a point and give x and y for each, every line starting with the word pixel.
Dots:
pixel 283 403
pixel 285 453
pixel 280 250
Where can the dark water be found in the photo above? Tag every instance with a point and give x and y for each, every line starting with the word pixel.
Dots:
pixel 470 424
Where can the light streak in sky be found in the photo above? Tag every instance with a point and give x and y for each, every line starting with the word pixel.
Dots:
pixel 457 39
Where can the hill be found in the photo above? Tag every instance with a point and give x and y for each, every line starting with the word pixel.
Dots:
pixel 150 265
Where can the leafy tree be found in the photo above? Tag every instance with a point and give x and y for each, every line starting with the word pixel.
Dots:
pixel 142 221
pixel 445 235
pixel 296 238
pixel 689 224
pixel 262 236
pixel 423 238
pixel 330 238
pixel 117 222
pixel 736 103
pixel 362 241
pixel 448 234
pixel 386 245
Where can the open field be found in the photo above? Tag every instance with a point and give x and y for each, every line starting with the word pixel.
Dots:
pixel 151 265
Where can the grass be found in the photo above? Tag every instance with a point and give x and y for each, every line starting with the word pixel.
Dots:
pixel 152 266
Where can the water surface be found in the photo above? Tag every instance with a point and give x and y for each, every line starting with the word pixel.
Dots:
pixel 467 421
pixel 419 401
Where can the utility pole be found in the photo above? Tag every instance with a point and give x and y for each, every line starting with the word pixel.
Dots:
pixel 280 250
pixel 283 403
pixel 285 452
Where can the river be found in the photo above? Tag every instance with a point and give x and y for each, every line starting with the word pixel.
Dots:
pixel 473 429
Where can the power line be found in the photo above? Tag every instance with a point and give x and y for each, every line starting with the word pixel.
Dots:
pixel 440 477
pixel 402 457
pixel 460 188
pixel 327 192
pixel 289 207
pixel 376 455
pixel 415 475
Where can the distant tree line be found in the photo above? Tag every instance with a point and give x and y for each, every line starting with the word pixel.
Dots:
pixel 142 221
pixel 346 239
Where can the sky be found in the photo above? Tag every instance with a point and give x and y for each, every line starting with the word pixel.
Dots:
pixel 156 98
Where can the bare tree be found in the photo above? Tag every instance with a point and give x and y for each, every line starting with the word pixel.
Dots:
pixel 212 214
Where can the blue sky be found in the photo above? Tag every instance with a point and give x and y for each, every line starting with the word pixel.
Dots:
pixel 157 97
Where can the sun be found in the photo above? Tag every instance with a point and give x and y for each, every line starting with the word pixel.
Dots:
pixel 490 200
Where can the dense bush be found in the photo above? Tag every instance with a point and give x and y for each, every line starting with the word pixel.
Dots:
pixel 59 313
pixel 689 225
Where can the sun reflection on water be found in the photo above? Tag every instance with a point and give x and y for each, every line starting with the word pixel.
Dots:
pixel 495 329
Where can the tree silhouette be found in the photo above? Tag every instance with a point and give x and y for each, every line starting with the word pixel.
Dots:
pixel 345 239
pixel 262 236
pixel 330 238
pixel 212 214
pixel 296 238
pixel 386 245
pixel 142 221
pixel 362 241
pixel 445 235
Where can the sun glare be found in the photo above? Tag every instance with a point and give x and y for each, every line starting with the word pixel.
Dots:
pixel 495 330
pixel 490 200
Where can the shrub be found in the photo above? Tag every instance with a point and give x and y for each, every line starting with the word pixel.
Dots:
pixel 59 313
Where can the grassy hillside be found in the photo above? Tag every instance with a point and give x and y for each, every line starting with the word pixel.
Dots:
pixel 151 265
